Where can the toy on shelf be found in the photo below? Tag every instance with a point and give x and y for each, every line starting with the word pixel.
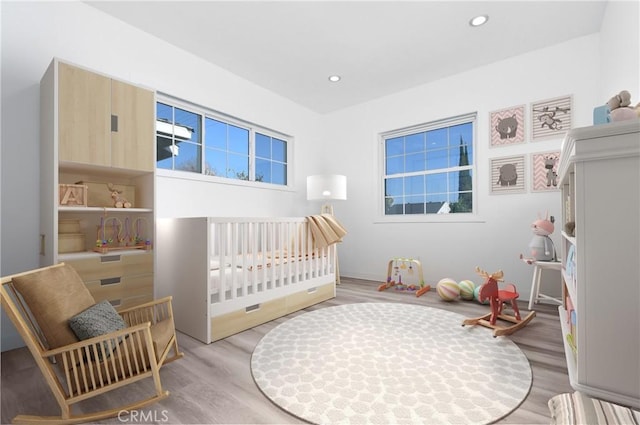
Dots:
pixel 497 298
pixel 113 235
pixel 541 247
pixel 620 108
pixel 119 201
pixel 396 267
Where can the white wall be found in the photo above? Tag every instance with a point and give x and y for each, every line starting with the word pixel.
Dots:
pixel 33 33
pixel 454 249
pixel 620 50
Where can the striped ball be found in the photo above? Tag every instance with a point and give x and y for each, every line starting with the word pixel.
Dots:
pixel 476 295
pixel 466 289
pixel 448 289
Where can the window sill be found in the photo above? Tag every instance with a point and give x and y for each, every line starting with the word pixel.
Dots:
pixel 431 218
pixel 184 175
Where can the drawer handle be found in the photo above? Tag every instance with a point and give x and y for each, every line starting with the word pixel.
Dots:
pixel 312 290
pixel 110 281
pixel 115 303
pixel 251 308
pixel 109 258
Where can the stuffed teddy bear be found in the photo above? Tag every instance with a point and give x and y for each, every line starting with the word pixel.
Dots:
pixel 619 107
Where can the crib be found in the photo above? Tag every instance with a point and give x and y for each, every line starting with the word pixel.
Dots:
pixel 227 275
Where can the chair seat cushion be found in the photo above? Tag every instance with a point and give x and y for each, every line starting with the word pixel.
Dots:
pixel 54 295
pixel 161 334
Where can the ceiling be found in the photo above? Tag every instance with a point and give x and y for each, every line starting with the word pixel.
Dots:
pixel 377 47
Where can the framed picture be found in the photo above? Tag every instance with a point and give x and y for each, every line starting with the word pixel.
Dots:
pixel 506 127
pixel 544 171
pixel 507 175
pixel 551 118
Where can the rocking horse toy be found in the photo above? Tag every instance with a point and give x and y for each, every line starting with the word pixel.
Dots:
pixel 497 297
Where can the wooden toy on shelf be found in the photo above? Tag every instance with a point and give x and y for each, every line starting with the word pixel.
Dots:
pixel 112 235
pixel 394 269
pixel 497 297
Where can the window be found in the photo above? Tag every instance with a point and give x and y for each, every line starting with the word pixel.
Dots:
pixel 428 169
pixel 200 141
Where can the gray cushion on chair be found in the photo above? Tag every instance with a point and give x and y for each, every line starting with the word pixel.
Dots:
pixel 97 320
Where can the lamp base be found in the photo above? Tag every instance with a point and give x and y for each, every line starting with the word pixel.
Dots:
pixel 327 209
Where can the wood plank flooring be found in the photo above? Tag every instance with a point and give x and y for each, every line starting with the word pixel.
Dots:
pixel 212 384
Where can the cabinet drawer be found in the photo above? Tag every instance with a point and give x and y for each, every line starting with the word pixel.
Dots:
pixel 304 299
pixel 119 289
pixel 112 265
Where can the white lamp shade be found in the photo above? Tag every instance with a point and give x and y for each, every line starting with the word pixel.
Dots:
pixel 327 186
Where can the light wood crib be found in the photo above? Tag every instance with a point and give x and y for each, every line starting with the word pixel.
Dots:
pixel 227 275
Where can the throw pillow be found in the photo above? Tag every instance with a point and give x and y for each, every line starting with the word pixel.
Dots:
pixel 99 319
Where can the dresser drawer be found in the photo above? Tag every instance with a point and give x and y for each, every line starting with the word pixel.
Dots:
pixel 119 290
pixel 113 265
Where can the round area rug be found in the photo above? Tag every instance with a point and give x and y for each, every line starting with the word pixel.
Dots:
pixel 385 363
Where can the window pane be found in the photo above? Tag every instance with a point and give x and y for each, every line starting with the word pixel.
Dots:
pixel 414 185
pixel 189 158
pixel 415 162
pixel 279 150
pixel 279 173
pixel 216 163
pixel 164 150
pixel 263 171
pixel 414 143
pixel 394 146
pixel 414 204
pixel 238 167
pixel 394 205
pixel 437 139
pixel 263 146
pixel 436 183
pixel 189 124
pixel 164 112
pixel 238 140
pixel 393 187
pixel 216 134
pixel 395 165
pixel 437 159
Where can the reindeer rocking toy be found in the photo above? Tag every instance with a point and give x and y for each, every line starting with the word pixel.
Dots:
pixel 497 297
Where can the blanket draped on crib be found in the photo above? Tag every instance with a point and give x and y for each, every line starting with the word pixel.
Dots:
pixel 325 230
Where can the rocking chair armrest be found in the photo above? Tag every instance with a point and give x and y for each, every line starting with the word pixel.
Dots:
pixel 153 311
pixel 123 333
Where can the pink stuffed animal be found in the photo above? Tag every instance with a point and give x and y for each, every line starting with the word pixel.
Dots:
pixel 541 246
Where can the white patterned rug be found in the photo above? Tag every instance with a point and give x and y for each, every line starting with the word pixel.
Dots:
pixel 385 363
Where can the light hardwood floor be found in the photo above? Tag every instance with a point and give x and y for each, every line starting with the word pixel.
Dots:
pixel 212 384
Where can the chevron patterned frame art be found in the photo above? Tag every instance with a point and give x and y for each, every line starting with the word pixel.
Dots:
pixel 507 126
pixel 544 171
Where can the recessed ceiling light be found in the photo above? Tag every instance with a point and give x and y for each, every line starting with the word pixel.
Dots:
pixel 479 20
pixel 334 78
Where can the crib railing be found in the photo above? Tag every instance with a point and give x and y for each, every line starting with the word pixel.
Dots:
pixel 255 255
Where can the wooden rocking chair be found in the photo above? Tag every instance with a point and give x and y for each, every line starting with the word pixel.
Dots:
pixel 41 302
pixel 497 298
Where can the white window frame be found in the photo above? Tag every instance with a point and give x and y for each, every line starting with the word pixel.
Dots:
pixel 251 127
pixel 427 218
